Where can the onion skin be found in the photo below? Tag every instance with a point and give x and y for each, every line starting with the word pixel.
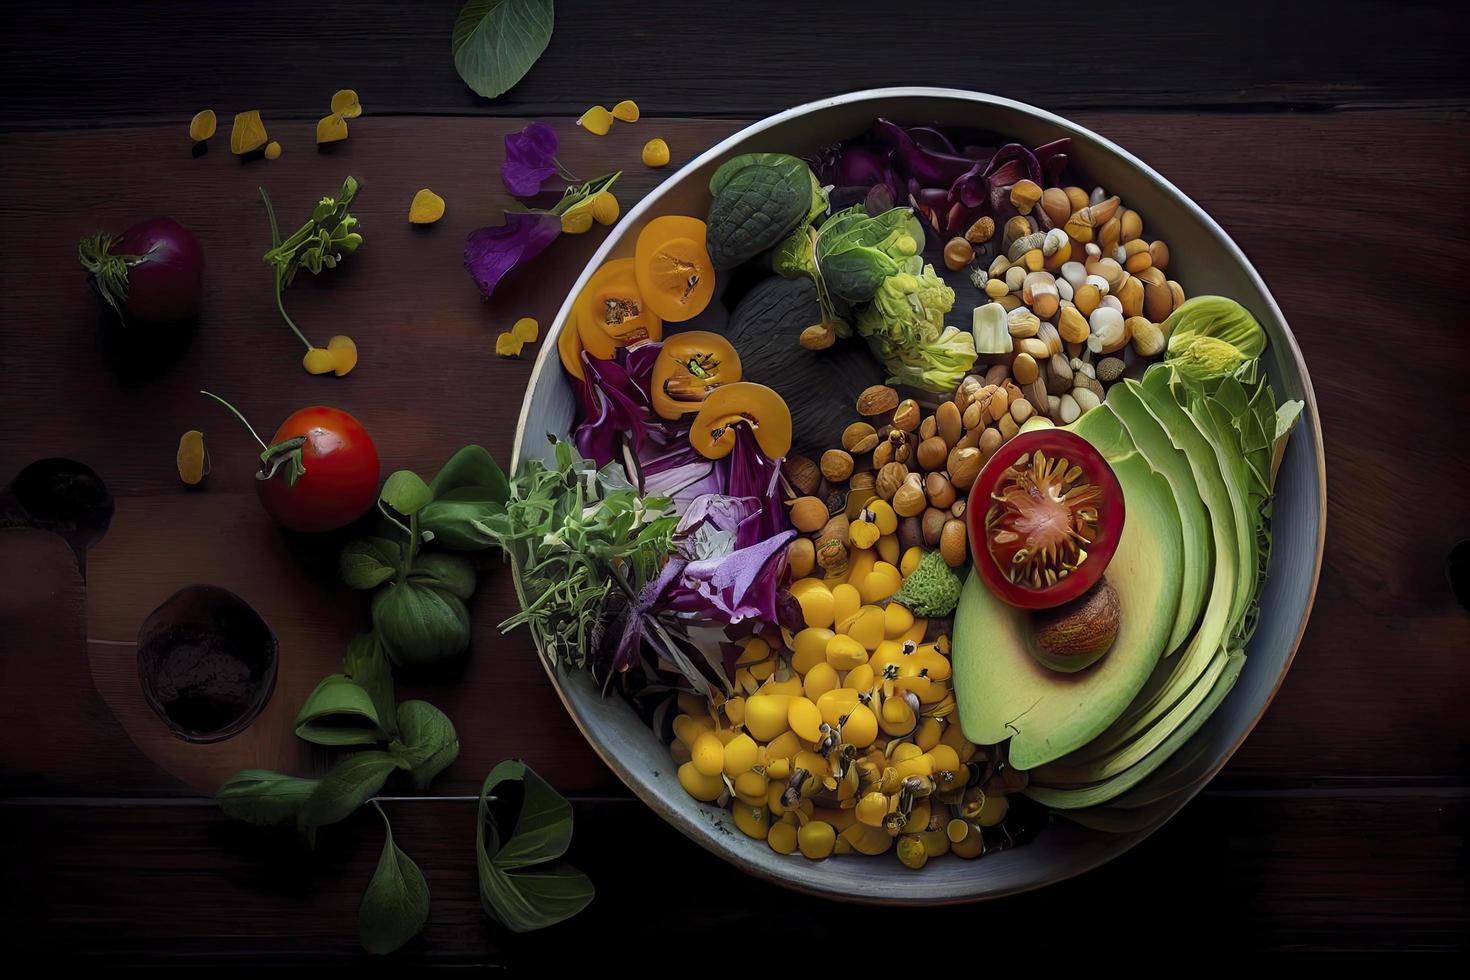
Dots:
pixel 165 272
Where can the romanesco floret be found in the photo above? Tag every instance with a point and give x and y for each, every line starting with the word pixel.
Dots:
pixel 931 589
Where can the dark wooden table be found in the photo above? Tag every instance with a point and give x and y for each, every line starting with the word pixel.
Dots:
pixel 1331 140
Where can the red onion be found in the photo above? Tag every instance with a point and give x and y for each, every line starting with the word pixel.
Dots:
pixel 153 272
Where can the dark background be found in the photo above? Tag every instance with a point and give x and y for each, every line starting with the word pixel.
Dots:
pixel 1330 139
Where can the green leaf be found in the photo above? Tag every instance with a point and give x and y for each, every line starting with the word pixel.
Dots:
pixel 462 525
pixel 264 798
pixel 519 886
pixel 368 562
pixel 420 625
pixel 348 785
pixel 452 573
pixel 396 903
pixel 427 741
pixel 471 474
pixel 367 664
pixel 496 42
pixel 406 492
pixel 339 711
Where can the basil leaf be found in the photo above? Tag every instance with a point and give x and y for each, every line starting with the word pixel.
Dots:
pixel 406 492
pixel 420 625
pixel 396 904
pixel 471 469
pixel 264 798
pixel 519 887
pixel 496 42
pixel 339 712
pixel 427 742
pixel 439 570
pixel 367 664
pixel 348 785
pixel 462 525
pixel 368 562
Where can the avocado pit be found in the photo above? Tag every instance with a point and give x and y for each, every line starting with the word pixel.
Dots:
pixel 1076 635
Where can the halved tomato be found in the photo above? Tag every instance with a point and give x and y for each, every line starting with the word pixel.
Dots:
pixel 673 267
pixel 691 365
pixel 1045 516
pixel 611 312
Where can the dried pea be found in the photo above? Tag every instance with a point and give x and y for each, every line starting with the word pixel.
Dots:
pixel 202 126
pixel 192 458
pixel 655 153
pixel 426 208
pixel 506 345
pixel 331 129
pixel 526 330
pixel 346 105
pixel 273 150
pixel 247 132
pixel 626 111
pixel 596 120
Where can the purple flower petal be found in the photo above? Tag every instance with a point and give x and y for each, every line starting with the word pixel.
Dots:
pixel 530 159
pixel 745 584
pixel 492 253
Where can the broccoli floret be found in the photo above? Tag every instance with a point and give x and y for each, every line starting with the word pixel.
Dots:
pixel 932 589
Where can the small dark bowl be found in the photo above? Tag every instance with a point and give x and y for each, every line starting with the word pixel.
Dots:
pixel 206 663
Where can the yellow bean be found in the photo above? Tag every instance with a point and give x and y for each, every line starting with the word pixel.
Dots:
pixel 896 620
pixel 861 728
pixel 866 629
pixel 753 821
pixel 655 153
pixel 860 678
pixel 752 787
pixel 765 716
pixel 816 838
pixel 844 653
pixel 704 788
pixel 809 648
pixel 816 606
pixel 846 601
pixel 781 837
pixel 819 680
pixel 927 737
pixel 836 704
pixel 804 718
pixel 740 755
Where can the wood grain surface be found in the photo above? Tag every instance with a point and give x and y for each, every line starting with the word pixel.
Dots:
pixel 1338 824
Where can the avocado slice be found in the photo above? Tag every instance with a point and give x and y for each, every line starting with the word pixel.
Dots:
pixel 1174 677
pixel 1001 689
pixel 1074 798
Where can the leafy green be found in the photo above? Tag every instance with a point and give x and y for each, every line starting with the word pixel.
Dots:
pixel 1218 317
pixel 264 798
pixel 367 665
pixel 427 742
pixel 406 492
pixel 759 199
pixel 904 326
pixel 339 712
pixel 419 624
pixel 396 904
pixel 1200 358
pixel 346 786
pixel 932 589
pixel 495 42
pixel 523 884
pixel 369 562
pixel 855 253
pixel 441 570
pixel 470 474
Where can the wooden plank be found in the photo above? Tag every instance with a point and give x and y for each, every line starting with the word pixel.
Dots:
pixel 149 883
pixel 78 63
pixel 1377 691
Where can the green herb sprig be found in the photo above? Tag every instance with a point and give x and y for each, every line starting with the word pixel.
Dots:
pixel 320 243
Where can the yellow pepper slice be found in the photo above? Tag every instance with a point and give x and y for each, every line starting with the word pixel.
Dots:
pixel 508 345
pixel 427 208
pixel 626 111
pixel 331 129
pixel 202 126
pixel 344 354
pixel 655 153
pixel 526 330
pixel 345 104
pixel 596 120
pixel 247 132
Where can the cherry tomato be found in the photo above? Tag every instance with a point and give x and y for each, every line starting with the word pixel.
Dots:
pixel 1045 516
pixel 338 480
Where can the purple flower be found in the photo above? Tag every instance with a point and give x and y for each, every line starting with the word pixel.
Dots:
pixel 530 159
pixel 490 254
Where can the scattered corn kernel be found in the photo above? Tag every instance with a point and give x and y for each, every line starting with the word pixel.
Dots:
pixel 247 132
pixel 344 354
pixel 346 105
pixel 331 129
pixel 655 153
pixel 506 345
pixel 605 209
pixel 426 208
pixel 596 120
pixel 202 126
pixel 192 458
pixel 626 111
pixel 318 360
pixel 576 221
pixel 273 150
pixel 526 330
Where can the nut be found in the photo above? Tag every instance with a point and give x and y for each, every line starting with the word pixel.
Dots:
pixel 1036 394
pixel 1158 254
pixel 939 490
pixel 964 466
pixel 1110 369
pixel 1148 339
pixel 933 520
pixel 932 451
pixel 1013 391
pixel 990 439
pixel 1136 257
pixel 909 500
pixel 1158 301
pixel 1034 346
pixel 837 465
pixel 1177 292
pixel 958 253
pixel 1053 406
pixel 801 555
pixel 1068 409
pixel 1022 248
pixel 975 415
pixel 808 514
pixel 890 478
pixel 1017 227
pixel 1088 383
pixel 1054 202
pixel 1024 368
pixel 876 400
pixel 1108 234
pixel 1015 278
pixel 1049 336
pixel 906 415
pixel 957 510
pixel 1109 330
pixel 1130 295
pixel 953 544
pixel 1022 323
pixel 910 533
pixel 998 267
pixel 818 336
pixel 1058 375
pixel 950 425
pixel 1110 271
pixel 1024 195
pixel 1039 291
pixel 928 428
pixel 996 288
pixel 859 438
pixel 1085 398
pixel 1072 325
pixel 801 473
pixel 1087 298
pixel 1085 222
pixel 997 374
pixel 982 231
pixel 1076 198
pixel 832 544
pixel 966 390
pixel 1132 226
pixel 862 481
pixel 1008 429
pixel 1021 411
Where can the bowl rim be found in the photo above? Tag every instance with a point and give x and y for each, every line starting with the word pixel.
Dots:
pixel 701 833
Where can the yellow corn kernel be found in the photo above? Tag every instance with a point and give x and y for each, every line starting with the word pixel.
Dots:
pixel 762 670
pixel 845 653
pixel 596 120
pixel 202 126
pixel 626 111
pixel 331 129
pixel 860 562
pixel 346 104
pixel 1033 260
pixel 837 704
pixel 344 354
pixel 888 548
pixel 605 209
pixel 753 650
pixel 916 632
pixel 896 620
pixel 881 583
pixel 927 735
pixel 781 837
pixel 910 560
pixel 816 839
pixel 318 360
pixel 884 516
pixel 790 687
pixel 809 648
pixel 905 752
pixel 740 755
pixel 506 345
pixel 867 840
pixel 425 208
pixel 946 759
pixel 273 150
pixel 861 727
pixel 752 787
pixel 735 710
pixel 783 746
pixel 655 153
pixel 687 728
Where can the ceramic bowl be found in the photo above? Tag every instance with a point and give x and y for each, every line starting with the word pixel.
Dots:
pixel 1206 261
